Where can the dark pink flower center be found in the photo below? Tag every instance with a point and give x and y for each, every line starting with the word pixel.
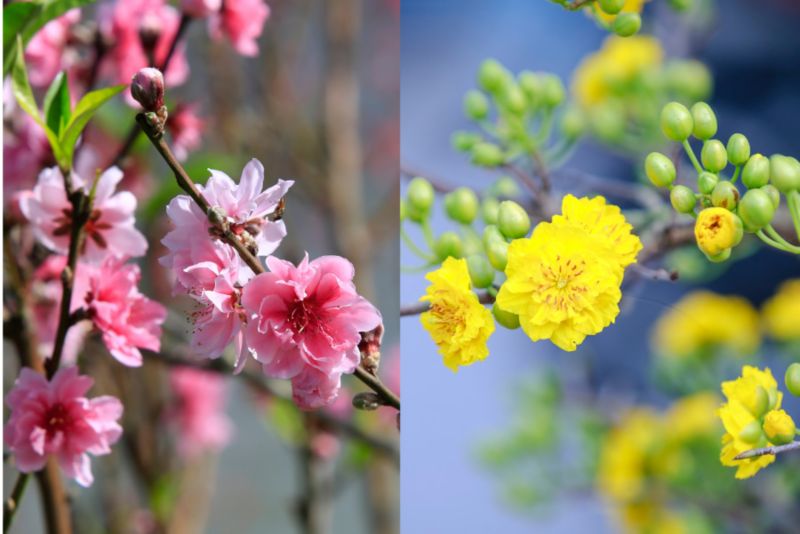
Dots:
pixel 303 315
pixel 56 419
pixel 93 227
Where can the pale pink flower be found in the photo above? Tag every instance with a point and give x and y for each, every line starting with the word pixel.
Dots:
pixel 200 8
pixel 186 129
pixel 56 418
pixel 305 324
pixel 110 230
pixel 127 320
pixel 45 53
pixel 199 413
pixel 241 21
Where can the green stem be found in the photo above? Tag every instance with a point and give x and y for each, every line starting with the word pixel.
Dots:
pixel 413 246
pixel 769 241
pixel 793 199
pixel 428 233
pixel 736 174
pixel 773 233
pixel 690 152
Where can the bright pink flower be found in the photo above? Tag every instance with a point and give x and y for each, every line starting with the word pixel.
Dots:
pixel 186 129
pixel 127 319
pixel 200 410
pixel 200 8
pixel 56 418
pixel 110 230
pixel 305 324
pixel 241 21
pixel 44 55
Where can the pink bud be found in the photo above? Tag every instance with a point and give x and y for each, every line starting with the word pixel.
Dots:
pixel 147 88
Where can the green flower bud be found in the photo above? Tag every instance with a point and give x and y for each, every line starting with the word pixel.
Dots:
pixel 725 195
pixel 489 208
pixel 676 122
pixel 505 319
pixel 756 209
pixel 480 271
pixel 683 199
pixel 738 149
pixel 514 99
pixel 755 172
pixel 772 396
pixel 706 182
pixel 492 76
pixel 420 195
pixel 531 85
pixel 752 432
pixel 403 209
pixel 774 195
pixel 472 245
pixel 792 379
pixel 497 252
pixel 759 405
pixel 705 122
pixel 512 220
pixel 553 92
pixel 784 173
pixel 487 155
pixel 690 79
pixel 626 24
pixel 491 233
pixel 476 105
pixel 464 141
pixel 659 169
pixel 573 123
pixel 448 246
pixel 680 5
pixel 612 7
pixel 719 258
pixel 779 427
pixel 608 120
pixel 714 155
pixel 461 205
pixel 505 187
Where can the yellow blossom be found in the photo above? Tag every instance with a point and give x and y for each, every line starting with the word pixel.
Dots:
pixel 717 230
pixel 779 427
pixel 703 320
pixel 631 6
pixel 692 416
pixel 458 323
pixel 781 312
pixel 563 283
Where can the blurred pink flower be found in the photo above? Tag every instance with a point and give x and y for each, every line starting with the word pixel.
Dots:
pixel 325 445
pixel 241 21
pixel 26 151
pixel 305 324
pixel 110 230
pixel 127 319
pixel 186 129
pixel 56 418
pixel 200 8
pixel 199 413
pixel 44 55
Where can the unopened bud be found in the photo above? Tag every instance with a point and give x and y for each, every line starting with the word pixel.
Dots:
pixel 367 400
pixel 370 348
pixel 147 88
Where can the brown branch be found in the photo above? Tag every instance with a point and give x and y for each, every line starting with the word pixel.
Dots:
pixel 12 503
pixel 775 449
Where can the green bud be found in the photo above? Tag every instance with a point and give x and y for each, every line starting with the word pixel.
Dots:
pixel 725 195
pixel 505 187
pixel 760 403
pixel 756 209
pixel 489 208
pixel 476 105
pixel 683 199
pixel 659 169
pixel 492 76
pixel 531 85
pixel 756 172
pixel 514 99
pixel 792 379
pixel 497 252
pixel 706 182
pixel 714 155
pixel 719 258
pixel 784 173
pixel 676 122
pixel 774 195
pixel 472 245
pixel 626 24
pixel 553 91
pixel 480 271
pixel 752 432
pixel 690 79
pixel 491 233
pixel 420 195
pixel 461 205
pixel 487 155
pixel 448 246
pixel 573 123
pixel 464 141
pixel 779 427
pixel 612 7
pixel 608 120
pixel 505 319
pixel 738 149
pixel 512 220
pixel 705 122
pixel 680 5
pixel 403 209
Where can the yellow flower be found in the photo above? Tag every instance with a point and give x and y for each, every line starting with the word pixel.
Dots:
pixel 562 283
pixel 779 427
pixel 631 6
pixel 604 221
pixel 780 313
pixel 703 320
pixel 717 230
pixel 749 397
pixel 694 415
pixel 604 74
pixel 458 323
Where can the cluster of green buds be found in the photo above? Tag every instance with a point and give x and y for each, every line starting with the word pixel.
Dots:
pixel 485 225
pixel 723 210
pixel 771 424
pixel 619 16
pixel 516 115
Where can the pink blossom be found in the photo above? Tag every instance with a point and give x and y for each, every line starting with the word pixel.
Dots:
pixel 241 21
pixel 127 319
pixel 26 151
pixel 325 445
pixel 110 230
pixel 186 129
pixel 56 418
pixel 305 324
pixel 200 8
pixel 45 53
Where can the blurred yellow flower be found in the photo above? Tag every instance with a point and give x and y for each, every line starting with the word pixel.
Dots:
pixel 717 230
pixel 702 321
pixel 458 323
pixel 631 6
pixel 780 313
pixel 692 416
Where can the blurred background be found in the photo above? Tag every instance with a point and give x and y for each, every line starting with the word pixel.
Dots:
pixel 513 443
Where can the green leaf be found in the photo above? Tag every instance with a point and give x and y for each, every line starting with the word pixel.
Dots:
pixel 83 112
pixel 15 17
pixel 57 110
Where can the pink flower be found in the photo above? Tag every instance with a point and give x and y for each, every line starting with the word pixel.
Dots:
pixel 44 55
pixel 200 8
pixel 199 412
pixel 25 152
pixel 110 230
pixel 127 319
pixel 56 418
pixel 241 21
pixel 186 129
pixel 305 324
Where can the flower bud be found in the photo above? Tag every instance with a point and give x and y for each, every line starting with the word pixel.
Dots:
pixel 492 76
pixel 147 88
pixel 403 209
pixel 719 258
pixel 755 172
pixel 497 252
pixel 706 182
pixel 489 208
pixel 779 427
pixel 461 205
pixel 487 155
pixel 752 432
pixel 505 187
pixel 553 92
pixel 758 404
pixel 420 195
pixel 531 85
pixel 512 220
pixel 690 79
pixel 774 195
pixel 682 199
pixel 608 120
pixel 476 105
pixel 505 319
pixel 448 246
pixel 514 99
pixel 464 141
pixel 792 379
pixel 784 173
pixel 738 149
pixel 612 7
pixel 573 123
pixel 680 5
pixel 626 24
pixel 725 195
pixel 367 400
pixel 490 234
pixel 756 209
pixel 717 230
pixel 480 271
pixel 659 169
pixel 676 122
pixel 705 122
pixel 714 155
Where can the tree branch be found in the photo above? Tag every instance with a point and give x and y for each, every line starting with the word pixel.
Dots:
pixel 754 453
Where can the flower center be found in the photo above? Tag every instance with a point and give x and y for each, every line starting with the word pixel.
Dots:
pixel 57 418
pixel 302 316
pixel 92 228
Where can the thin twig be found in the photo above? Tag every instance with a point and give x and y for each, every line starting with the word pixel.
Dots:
pixel 753 453
pixel 12 503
